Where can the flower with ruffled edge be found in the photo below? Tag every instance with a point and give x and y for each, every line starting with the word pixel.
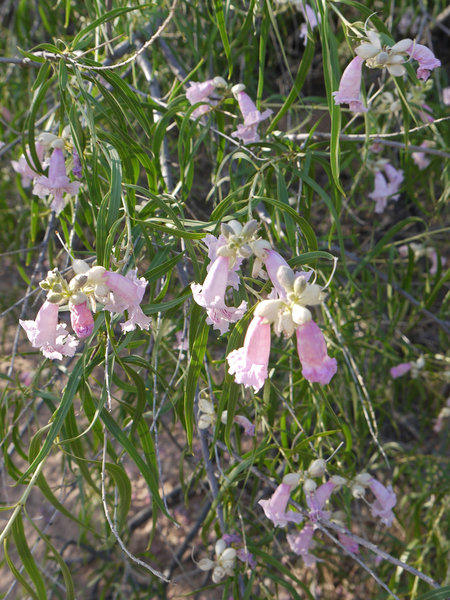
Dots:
pixel 252 116
pixel 349 91
pixel 48 335
pixel 57 183
pixel 317 366
pixel 127 293
pixel 275 507
pixel 426 59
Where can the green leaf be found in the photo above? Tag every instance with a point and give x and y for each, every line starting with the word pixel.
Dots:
pixel 220 17
pixel 18 534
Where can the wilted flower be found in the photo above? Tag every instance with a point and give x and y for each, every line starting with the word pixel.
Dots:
pixel 57 183
pixel 252 117
pixel 350 86
pixel 81 319
pixel 201 91
pixel 317 366
pixel 275 507
pixel 248 426
pixel 249 364
pixel 46 334
pixel 426 59
pixel 22 167
pixel 211 295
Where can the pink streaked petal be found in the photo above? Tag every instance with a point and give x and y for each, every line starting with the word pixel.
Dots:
pixel 249 364
pixel 220 316
pixel 301 543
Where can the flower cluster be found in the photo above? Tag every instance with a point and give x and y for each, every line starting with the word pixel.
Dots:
pixel 224 564
pixel 49 150
pixel 286 308
pixel 202 92
pixel 376 55
pixel 316 497
pixel 117 293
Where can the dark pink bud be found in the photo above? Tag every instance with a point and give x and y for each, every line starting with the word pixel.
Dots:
pixel 82 320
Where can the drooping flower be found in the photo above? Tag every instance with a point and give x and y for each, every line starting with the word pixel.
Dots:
pixel 252 117
pixel 211 295
pixel 385 190
pixel 400 369
pixel 249 364
pixel 127 293
pixel 248 426
pixel 199 91
pixel 275 507
pixel 81 319
pixel 317 366
pixel 317 499
pixel 22 167
pixel 350 86
pixel 301 543
pixel 426 59
pixel 384 503
pixel 311 18
pixel 48 335
pixel 213 244
pixel 57 183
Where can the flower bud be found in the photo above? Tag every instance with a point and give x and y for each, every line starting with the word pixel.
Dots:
pixel 101 293
pixel 300 314
pixel 309 486
pixel 239 87
pixel 317 468
pixel 77 282
pixel 81 319
pixel 402 45
pixel 80 266
pixel 77 298
pixel 220 547
pixel 205 564
pixel 236 227
pixel 224 251
pixel 218 574
pixel 54 298
pixel 366 51
pixel 363 479
pixel 245 251
pixel 382 58
pixel 338 480
pixel 300 284
pixel 229 554
pixel 358 491
pixel 374 38
pixel 57 288
pixel 44 285
pixel 57 143
pixel 45 138
pixel 260 248
pixel 95 274
pixel 250 229
pixel 312 295
pixel 286 277
pixel 219 82
pixel 268 309
pixel 291 479
pixel 226 230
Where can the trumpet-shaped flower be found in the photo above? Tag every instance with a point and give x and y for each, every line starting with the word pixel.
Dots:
pixel 311 18
pixel 127 293
pixel 211 295
pixel 213 243
pixel 275 507
pixel 57 183
pixel 384 503
pixel 385 190
pixel 426 59
pixel 350 86
pixel 81 319
pixel 249 364
pixel 317 499
pixel 252 118
pixel 46 334
pixel 317 366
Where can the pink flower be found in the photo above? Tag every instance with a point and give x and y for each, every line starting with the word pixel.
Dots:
pixel 426 59
pixel 46 334
pixel 317 366
pixel 248 426
pixel 350 86
pixel 76 169
pixel 385 190
pixel 275 507
pixel 211 295
pixel 400 369
pixel 420 158
pixel 317 499
pixel 198 91
pixel 127 293
pixel 446 96
pixel 82 320
pixel 273 262
pixel 252 117
pixel 301 544
pixel 310 17
pixel 384 503
pixel 250 363
pixel 57 183
pixel 348 543
pixel 213 245
pixel 23 168
pixel 247 557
